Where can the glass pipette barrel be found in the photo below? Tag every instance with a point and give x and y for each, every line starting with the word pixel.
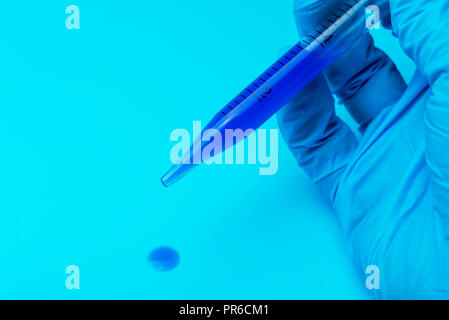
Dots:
pixel 281 82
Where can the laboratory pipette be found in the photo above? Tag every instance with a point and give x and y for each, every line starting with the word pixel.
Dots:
pixel 282 81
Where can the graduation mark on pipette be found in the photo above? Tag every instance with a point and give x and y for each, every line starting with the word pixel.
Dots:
pixel 323 38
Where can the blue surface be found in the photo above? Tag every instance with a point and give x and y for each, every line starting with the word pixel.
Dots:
pixel 84 128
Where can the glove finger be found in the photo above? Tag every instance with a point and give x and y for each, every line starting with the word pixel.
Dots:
pixel 421 27
pixel 320 141
pixel 365 80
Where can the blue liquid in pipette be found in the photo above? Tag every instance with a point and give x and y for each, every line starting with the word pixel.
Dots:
pixel 280 83
pixel 257 103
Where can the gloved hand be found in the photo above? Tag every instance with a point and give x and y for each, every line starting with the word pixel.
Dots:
pixel 390 189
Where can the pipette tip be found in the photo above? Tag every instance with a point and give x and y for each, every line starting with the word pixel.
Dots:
pixel 163 183
pixel 175 173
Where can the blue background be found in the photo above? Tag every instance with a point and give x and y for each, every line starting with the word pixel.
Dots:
pixel 85 121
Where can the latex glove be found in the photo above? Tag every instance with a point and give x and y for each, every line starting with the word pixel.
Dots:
pixel 321 143
pixel 391 189
pixel 422 30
